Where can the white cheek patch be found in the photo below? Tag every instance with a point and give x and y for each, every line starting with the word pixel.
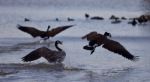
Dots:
pixel 95 45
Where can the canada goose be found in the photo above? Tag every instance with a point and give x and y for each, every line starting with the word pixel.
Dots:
pixel 43 34
pixel 92 38
pixel 51 56
pixel 26 19
pixel 133 22
pixel 108 44
pixel 142 19
pixel 114 17
pixel 87 15
pixel 57 19
pixel 94 17
pixel 116 21
pixel 70 19
pixel 97 18
pixel 123 18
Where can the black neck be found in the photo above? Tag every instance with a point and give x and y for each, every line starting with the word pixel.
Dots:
pixel 56 45
pixel 107 34
pixel 46 33
pixel 48 28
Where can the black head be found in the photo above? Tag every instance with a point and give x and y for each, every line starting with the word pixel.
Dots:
pixel 87 15
pixel 48 27
pixel 107 34
pixel 57 19
pixel 58 42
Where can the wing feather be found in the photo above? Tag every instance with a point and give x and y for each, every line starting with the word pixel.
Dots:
pixel 35 54
pixel 57 30
pixel 50 55
pixel 31 30
pixel 116 47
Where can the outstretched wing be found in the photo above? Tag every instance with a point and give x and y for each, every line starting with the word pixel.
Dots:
pixel 30 30
pixel 36 54
pixel 57 30
pixel 116 47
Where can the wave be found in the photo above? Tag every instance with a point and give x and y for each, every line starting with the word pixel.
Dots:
pixel 32 66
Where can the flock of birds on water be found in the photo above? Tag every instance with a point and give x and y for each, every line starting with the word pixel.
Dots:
pixel 143 19
pixel 94 39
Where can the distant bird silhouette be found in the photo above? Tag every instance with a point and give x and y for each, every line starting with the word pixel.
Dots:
pixel 51 56
pixel 87 15
pixel 123 18
pixel 26 19
pixel 70 19
pixel 114 17
pixel 97 18
pixel 133 22
pixel 116 21
pixel 94 17
pixel 57 19
pixel 108 44
pixel 43 34
pixel 142 19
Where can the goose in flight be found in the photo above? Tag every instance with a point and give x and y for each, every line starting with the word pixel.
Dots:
pixel 51 56
pixel 98 39
pixel 43 34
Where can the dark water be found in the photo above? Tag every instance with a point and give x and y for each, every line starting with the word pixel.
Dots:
pixel 79 65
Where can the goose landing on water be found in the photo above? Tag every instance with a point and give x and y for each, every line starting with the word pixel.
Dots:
pixel 51 56
pixel 108 44
pixel 43 34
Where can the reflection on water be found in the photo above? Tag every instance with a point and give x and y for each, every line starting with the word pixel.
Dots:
pixel 43 66
pixel 4 73
pixel 32 45
pixel 29 66
pixel 8 49
pixel 26 45
pixel 107 75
